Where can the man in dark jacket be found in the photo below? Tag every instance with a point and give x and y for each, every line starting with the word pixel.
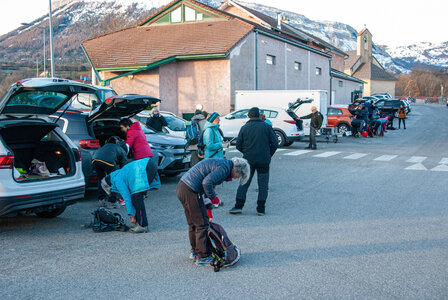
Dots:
pixel 110 157
pixel 198 181
pixel 258 143
pixel 156 121
pixel 315 125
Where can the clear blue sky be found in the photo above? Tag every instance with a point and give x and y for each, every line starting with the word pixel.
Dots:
pixel 392 22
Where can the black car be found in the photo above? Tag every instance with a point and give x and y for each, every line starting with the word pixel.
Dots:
pixel 389 106
pixel 90 129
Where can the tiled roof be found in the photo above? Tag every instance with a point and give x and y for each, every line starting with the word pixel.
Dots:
pixel 338 74
pixel 141 46
pixel 373 72
pixel 298 33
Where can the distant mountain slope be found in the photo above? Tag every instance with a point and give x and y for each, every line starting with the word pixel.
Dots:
pixel 77 20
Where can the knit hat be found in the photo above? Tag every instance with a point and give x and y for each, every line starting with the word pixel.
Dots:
pixel 213 117
pixel 254 112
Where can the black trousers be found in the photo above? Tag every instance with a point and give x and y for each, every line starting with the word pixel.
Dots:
pixel 263 183
pixel 197 219
pixel 138 198
pixel 399 123
pixel 103 169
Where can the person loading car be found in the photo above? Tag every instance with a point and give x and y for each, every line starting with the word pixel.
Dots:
pixel 110 157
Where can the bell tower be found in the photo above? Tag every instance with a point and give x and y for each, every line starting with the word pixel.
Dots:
pixel 364 45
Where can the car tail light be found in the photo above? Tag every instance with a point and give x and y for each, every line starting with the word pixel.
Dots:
pixel 89 144
pixel 94 179
pixel 290 121
pixel 108 100
pixel 77 154
pixel 6 161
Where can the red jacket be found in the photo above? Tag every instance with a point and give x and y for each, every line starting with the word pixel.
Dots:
pixel 136 139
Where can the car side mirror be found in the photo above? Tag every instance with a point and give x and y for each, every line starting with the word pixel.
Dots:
pixel 230 117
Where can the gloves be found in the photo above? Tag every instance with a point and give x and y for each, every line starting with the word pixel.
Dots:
pixel 215 200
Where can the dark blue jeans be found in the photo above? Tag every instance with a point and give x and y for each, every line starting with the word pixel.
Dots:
pixel 263 182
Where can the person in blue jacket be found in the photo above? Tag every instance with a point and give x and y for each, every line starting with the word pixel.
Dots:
pixel 200 181
pixel 213 138
pixel 132 182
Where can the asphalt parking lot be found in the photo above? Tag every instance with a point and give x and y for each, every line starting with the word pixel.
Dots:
pixel 364 218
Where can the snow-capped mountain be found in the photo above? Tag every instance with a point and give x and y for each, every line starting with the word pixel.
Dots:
pixel 78 20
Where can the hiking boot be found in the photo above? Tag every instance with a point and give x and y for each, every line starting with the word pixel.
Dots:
pixel 138 229
pixel 193 256
pixel 204 261
pixel 235 211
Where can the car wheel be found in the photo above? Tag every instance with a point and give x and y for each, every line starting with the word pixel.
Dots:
pixel 51 213
pixel 287 144
pixel 281 138
pixel 343 128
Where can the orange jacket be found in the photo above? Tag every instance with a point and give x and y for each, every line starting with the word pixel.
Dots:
pixel 402 113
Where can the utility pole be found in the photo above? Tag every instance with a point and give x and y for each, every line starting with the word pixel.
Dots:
pixel 51 40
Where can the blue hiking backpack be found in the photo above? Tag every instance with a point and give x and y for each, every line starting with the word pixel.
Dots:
pixel 193 133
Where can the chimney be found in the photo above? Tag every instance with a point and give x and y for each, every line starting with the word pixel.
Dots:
pixel 279 21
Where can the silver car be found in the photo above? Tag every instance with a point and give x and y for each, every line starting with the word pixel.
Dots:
pixel 40 167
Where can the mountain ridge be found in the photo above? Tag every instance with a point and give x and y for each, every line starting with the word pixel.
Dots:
pixel 84 19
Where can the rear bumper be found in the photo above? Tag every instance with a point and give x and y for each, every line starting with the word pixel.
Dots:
pixel 30 202
pixel 294 138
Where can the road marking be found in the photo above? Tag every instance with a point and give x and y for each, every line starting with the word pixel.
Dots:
pixel 327 154
pixel 355 156
pixel 419 167
pixel 385 157
pixel 298 152
pixel 441 168
pixel 281 149
pixel 416 159
pixel 444 161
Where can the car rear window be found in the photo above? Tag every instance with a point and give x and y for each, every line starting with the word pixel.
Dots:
pixel 35 102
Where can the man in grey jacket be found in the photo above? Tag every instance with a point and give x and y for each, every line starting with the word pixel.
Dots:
pixel 198 181
pixel 199 121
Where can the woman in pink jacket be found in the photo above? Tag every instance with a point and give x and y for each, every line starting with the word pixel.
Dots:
pixel 136 139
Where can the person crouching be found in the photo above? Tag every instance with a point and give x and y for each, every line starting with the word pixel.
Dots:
pixel 132 182
pixel 202 179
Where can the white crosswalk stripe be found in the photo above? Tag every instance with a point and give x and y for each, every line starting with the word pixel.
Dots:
pixel 281 149
pixel 418 166
pixel 327 154
pixel 441 168
pixel 416 159
pixel 385 157
pixel 355 156
pixel 444 161
pixel 298 152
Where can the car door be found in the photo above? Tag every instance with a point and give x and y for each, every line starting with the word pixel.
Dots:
pixel 232 123
pixel 333 116
pixel 120 106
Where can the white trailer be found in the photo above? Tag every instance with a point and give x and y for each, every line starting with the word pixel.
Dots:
pixel 285 99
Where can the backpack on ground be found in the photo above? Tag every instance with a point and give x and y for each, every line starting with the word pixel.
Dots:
pixel 193 132
pixel 104 220
pixel 224 252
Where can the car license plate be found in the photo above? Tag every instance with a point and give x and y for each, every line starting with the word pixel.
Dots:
pixel 186 159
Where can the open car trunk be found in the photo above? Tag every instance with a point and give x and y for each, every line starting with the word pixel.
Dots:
pixel 31 141
pixel 104 129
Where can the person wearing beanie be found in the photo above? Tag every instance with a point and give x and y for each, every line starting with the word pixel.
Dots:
pixel 133 181
pixel 212 137
pixel 316 123
pixel 258 143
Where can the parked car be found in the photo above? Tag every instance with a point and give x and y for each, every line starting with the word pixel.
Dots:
pixel 87 102
pixel 26 134
pixel 357 104
pixel 286 124
pixel 389 107
pixel 90 130
pixel 382 96
pixel 339 117
pixel 176 125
